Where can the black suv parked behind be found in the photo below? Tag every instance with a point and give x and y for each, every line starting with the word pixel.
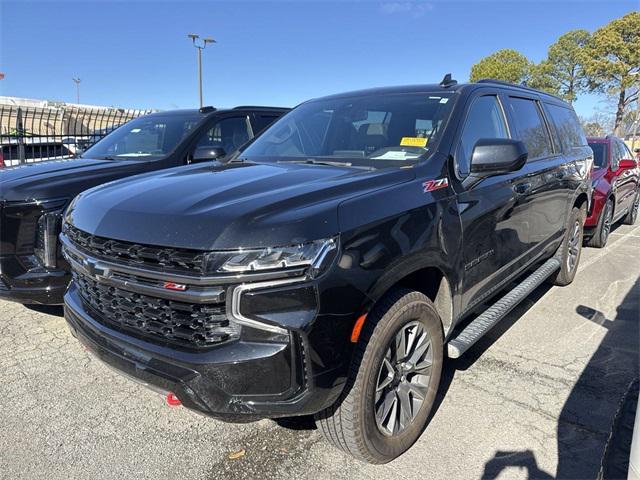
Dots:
pixel 33 196
pixel 328 267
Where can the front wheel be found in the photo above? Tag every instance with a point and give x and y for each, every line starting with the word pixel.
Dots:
pixel 393 380
pixel 570 249
pixel 603 229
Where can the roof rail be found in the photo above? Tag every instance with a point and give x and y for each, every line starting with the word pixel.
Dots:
pixel 207 109
pixel 500 82
pixel 516 85
pixel 258 107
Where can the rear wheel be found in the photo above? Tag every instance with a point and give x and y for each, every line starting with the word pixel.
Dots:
pixel 602 231
pixel 393 380
pixel 570 249
pixel 632 216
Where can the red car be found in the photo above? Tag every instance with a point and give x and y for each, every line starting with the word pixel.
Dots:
pixel 615 180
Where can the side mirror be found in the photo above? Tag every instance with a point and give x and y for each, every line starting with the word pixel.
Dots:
pixel 493 156
pixel 627 163
pixel 203 154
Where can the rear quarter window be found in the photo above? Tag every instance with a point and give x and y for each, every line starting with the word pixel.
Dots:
pixel 568 127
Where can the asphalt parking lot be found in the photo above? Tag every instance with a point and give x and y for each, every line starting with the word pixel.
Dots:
pixel 534 400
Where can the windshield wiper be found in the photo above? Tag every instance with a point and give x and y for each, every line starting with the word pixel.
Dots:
pixel 313 161
pixel 239 160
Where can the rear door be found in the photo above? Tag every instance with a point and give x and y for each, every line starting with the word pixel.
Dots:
pixel 547 170
pixel 493 211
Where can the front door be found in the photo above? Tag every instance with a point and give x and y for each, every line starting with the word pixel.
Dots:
pixel 493 210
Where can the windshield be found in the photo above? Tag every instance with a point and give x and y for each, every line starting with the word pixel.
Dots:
pixel 599 154
pixel 145 138
pixel 375 130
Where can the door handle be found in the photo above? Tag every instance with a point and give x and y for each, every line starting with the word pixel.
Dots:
pixel 522 188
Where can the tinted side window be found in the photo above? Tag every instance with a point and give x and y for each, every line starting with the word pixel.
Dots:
pixel 530 127
pixel 600 153
pixel 262 121
pixel 228 133
pixel 484 120
pixel 568 127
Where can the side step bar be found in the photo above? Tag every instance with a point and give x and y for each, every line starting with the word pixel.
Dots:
pixel 496 312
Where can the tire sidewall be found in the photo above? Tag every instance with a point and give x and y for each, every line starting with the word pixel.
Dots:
pixel 608 210
pixel 565 276
pixel 632 216
pixel 386 330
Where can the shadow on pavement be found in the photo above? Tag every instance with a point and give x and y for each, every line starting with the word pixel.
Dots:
pixel 585 420
pixel 523 460
pixel 56 310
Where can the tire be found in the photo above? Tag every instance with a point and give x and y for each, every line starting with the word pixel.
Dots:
pixel 632 215
pixel 351 424
pixel 570 249
pixel 601 234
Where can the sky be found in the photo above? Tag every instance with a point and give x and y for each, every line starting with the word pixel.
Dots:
pixel 137 54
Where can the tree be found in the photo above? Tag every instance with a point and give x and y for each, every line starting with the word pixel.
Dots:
pixel 612 62
pixel 507 65
pixel 597 125
pixel 541 77
pixel 564 67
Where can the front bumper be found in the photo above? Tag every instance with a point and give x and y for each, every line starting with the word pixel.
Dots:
pixel 35 285
pixel 28 232
pixel 242 380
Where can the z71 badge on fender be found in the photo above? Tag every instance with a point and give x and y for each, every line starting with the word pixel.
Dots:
pixel 431 185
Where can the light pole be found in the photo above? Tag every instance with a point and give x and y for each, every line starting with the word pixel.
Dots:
pixel 200 46
pixel 77 82
pixel 636 123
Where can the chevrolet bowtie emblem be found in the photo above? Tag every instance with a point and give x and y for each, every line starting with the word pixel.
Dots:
pixel 93 268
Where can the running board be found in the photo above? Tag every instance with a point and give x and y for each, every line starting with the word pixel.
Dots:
pixel 496 312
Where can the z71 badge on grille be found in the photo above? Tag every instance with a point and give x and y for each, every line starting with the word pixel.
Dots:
pixel 174 286
pixel 431 185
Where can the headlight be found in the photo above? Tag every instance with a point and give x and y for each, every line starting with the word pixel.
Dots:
pixel 312 254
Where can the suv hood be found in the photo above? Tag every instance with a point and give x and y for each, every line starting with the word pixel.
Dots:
pixel 226 207
pixel 61 178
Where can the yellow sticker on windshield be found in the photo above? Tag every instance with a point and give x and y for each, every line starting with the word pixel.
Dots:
pixel 413 142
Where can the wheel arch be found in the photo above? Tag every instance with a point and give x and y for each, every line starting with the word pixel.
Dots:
pixel 582 200
pixel 432 281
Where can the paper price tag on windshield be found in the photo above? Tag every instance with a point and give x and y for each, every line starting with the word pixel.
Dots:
pixel 413 142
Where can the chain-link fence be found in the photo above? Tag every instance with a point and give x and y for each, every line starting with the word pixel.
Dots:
pixel 32 134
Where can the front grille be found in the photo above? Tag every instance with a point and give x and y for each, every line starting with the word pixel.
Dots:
pixel 191 261
pixel 165 321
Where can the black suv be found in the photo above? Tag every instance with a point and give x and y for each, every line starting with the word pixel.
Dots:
pixel 33 196
pixel 328 267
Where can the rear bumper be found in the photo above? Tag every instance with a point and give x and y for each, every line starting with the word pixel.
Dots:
pixel 237 381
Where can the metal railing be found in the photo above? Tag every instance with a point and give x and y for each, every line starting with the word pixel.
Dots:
pixel 33 134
